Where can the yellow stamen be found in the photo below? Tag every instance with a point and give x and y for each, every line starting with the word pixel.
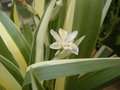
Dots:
pixel 73 47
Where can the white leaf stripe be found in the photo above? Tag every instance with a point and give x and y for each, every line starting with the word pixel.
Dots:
pixel 68 24
pixel 7 80
pixel 16 36
pixel 15 72
pixel 61 68
pixel 11 45
pixel 42 31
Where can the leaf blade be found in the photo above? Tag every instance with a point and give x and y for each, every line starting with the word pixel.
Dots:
pixel 54 69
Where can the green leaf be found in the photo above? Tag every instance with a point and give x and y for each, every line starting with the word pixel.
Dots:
pixel 36 85
pixel 87 21
pixel 14 15
pixel 97 80
pixel 68 24
pixel 7 79
pixel 4 51
pixel 39 37
pixel 13 70
pixel 61 68
pixel 105 9
pixel 118 40
pixel 42 32
pixel 104 51
pixel 38 6
pixel 27 32
pixel 62 14
pixel 13 38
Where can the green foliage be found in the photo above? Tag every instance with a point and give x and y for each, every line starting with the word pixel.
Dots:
pixel 27 60
pixel 110 31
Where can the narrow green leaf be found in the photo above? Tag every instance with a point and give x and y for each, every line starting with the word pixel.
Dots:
pixel 4 51
pixel 14 15
pixel 14 51
pixel 61 68
pixel 47 47
pixel 104 51
pixel 7 81
pixel 105 9
pixel 62 14
pixel 36 85
pixel 34 48
pixel 68 24
pixel 27 32
pixel 13 70
pixel 39 6
pixel 96 80
pixel 41 32
pixel 87 20
pixel 16 36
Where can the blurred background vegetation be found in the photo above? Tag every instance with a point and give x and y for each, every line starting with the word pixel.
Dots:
pixel 110 31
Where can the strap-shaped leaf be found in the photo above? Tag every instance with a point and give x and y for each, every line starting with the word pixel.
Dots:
pixel 68 24
pixel 10 77
pixel 14 15
pixel 104 51
pixel 7 81
pixel 96 80
pixel 6 53
pixel 42 32
pixel 87 20
pixel 12 69
pixel 105 9
pixel 14 41
pixel 36 85
pixel 27 32
pixel 75 82
pixel 39 37
pixel 61 68
pixel 39 6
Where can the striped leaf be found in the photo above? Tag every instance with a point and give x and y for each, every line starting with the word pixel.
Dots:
pixel 42 32
pixel 68 24
pixel 39 6
pixel 14 15
pixel 36 85
pixel 61 68
pixel 96 80
pixel 39 37
pixel 10 77
pixel 13 38
pixel 13 70
pixel 6 53
pixel 105 9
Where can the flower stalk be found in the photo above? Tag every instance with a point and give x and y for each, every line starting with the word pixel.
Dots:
pixel 29 8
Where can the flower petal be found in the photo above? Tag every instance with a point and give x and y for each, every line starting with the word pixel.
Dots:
pixel 63 34
pixel 55 35
pixel 72 47
pixel 72 36
pixel 55 45
pixel 79 40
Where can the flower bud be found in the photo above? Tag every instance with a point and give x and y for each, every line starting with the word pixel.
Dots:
pixel 59 3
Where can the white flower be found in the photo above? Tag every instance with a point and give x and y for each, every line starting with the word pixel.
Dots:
pixel 64 40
